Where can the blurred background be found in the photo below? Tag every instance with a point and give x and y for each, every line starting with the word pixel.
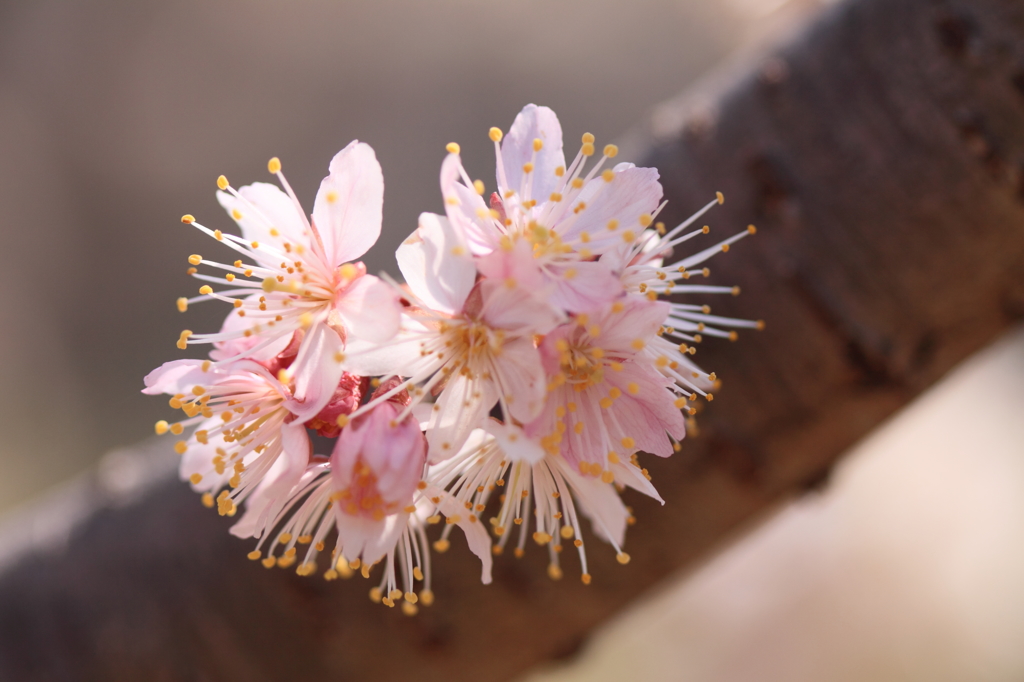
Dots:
pixel 116 118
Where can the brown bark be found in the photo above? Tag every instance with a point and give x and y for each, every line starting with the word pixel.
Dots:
pixel 882 158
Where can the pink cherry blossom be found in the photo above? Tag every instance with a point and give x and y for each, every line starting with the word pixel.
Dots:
pixel 294 271
pixel 565 216
pixel 250 426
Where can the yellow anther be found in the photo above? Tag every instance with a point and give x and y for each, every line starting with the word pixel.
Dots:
pixel 427 596
pixel 709 397
pixel 760 325
pixel 348 271
pixel 736 291
pixel 567 532
pixel 222 182
pixel 188 218
pixel 441 546
pixel 637 344
pixel 478 185
pixel 207 499
pixel 177 429
pixel 588 138
pixel 646 219
pixel 183 339
pixel 608 175
pixel 180 447
pixel 680 403
pixel 613 224
pixel 577 183
pixel 720 197
pixel 725 248
pixel 528 167
pixel 206 290
pixel 611 151
pixel 538 144
pixel 606 402
pixel 615 393
pixel 633 388
pixel 628 236
pixel 495 134
pixel 628 443
pixel 236 214
pixel 182 305
pixel 342 420
pixel 555 196
pixel 560 171
pixel 274 165
pixel 269 562
pixel 554 572
pixel 588 149
pixel 751 229
pixel 622 558
pixel 195 259
pixel 161 427
pixel 195 478
pixel 452 147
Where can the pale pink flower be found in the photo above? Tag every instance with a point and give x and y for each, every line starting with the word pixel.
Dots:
pixel 547 217
pixel 469 343
pixel 606 397
pixel 250 426
pixel 294 271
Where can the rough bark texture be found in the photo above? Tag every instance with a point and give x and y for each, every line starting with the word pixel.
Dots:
pixel 882 158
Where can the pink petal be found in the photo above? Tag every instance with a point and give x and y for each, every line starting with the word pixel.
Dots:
pixel 633 192
pixel 264 206
pixel 316 372
pixel 370 310
pixel 593 286
pixel 521 379
pixel 532 123
pixel 347 212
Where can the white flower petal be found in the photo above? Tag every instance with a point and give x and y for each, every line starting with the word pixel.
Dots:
pixel 477 538
pixel 601 503
pixel 521 379
pixel 462 406
pixel 436 264
pixel 514 442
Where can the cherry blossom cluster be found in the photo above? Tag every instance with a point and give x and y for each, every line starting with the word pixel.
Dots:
pixel 506 388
